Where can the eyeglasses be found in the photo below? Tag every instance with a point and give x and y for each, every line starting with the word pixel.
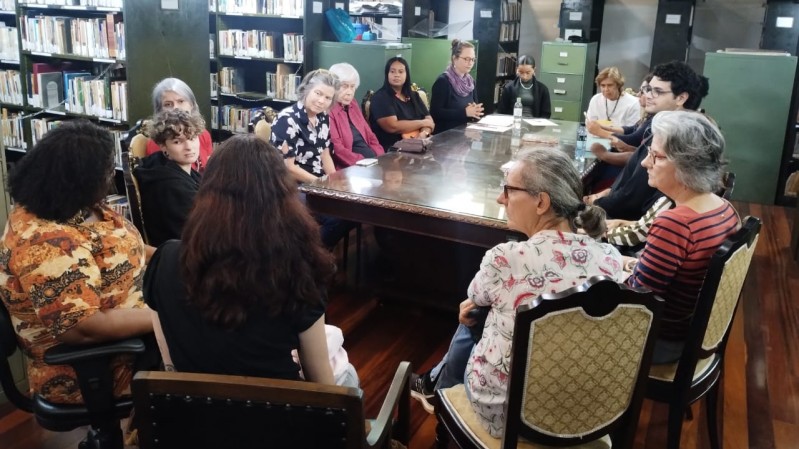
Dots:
pixel 468 59
pixel 656 157
pixel 507 188
pixel 654 91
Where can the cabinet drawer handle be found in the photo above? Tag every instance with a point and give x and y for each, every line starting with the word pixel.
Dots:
pixel 562 63
pixel 559 91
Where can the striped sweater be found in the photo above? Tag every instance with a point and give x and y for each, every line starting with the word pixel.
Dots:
pixel 678 249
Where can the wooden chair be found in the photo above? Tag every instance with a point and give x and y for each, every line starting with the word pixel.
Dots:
pixel 366 103
pixel 92 364
pixel 577 374
pixel 137 149
pixel 729 185
pixel 697 372
pixel 214 411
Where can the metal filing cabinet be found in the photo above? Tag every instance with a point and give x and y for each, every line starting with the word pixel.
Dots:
pixel 567 69
pixel 753 112
pixel 368 58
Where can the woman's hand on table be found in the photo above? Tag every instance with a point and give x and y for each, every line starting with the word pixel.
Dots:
pixel 474 110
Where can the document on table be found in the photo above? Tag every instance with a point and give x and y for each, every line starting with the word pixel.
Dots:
pixel 497 120
pixel 540 122
pixel 490 128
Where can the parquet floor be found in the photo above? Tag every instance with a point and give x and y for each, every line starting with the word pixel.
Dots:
pixel 760 406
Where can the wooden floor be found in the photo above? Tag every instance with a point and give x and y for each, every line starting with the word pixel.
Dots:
pixel 761 379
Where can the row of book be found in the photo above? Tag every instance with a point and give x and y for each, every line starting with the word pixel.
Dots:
pixel 233 118
pixel 79 92
pixel 252 43
pixel 93 38
pixel 41 125
pixel 119 204
pixel 100 3
pixel 11 125
pixel 506 64
pixel 7 5
pixel 509 31
pixel 510 10
pixel 283 84
pixel 292 8
pixel 9 44
pixel 10 87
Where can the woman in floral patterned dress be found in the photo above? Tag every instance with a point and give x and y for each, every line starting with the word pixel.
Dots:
pixel 542 197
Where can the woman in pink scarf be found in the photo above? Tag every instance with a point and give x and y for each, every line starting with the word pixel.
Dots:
pixel 454 101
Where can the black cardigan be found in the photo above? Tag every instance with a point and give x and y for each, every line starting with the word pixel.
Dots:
pixel 541 108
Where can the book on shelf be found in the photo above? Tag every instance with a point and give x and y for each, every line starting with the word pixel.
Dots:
pixel 51 89
pixel 34 93
pixel 10 87
pixel 11 124
pixel 9 44
pixel 292 8
pixel 88 37
pixel 282 85
pixel 506 63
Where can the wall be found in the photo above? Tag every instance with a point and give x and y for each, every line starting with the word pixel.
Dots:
pixel 628 27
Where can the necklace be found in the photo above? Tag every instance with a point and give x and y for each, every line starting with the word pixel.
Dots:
pixel 526 87
pixel 614 107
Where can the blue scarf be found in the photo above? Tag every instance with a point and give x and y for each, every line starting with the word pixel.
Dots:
pixel 463 85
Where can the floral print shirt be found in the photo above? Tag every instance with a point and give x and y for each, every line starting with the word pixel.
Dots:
pixel 305 142
pixel 512 274
pixel 54 275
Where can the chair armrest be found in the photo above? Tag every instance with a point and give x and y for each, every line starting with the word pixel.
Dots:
pixel 65 354
pixel 398 397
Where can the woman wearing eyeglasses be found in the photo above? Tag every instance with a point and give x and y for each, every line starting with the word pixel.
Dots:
pixel 541 196
pixel 686 163
pixel 534 94
pixel 453 99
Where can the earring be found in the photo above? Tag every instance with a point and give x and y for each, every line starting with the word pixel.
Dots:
pixel 166 155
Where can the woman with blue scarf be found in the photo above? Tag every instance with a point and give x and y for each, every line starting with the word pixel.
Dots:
pixel 454 101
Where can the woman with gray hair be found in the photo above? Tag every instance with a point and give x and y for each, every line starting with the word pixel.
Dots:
pixel 302 131
pixel 542 198
pixel 172 93
pixel 350 134
pixel 686 163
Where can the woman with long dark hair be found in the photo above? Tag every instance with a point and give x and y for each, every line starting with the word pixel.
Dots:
pixel 240 302
pixel 397 111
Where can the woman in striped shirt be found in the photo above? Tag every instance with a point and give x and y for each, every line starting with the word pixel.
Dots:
pixel 685 162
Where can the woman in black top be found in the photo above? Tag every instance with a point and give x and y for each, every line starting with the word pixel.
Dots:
pixel 454 100
pixel 534 94
pixel 397 112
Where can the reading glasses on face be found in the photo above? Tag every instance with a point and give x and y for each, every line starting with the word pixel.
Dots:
pixel 656 157
pixel 468 59
pixel 654 91
pixel 507 188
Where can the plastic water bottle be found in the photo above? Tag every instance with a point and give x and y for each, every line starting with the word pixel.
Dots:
pixel 517 113
pixel 579 149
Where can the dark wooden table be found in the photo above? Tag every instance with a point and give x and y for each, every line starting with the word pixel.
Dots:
pixel 450 192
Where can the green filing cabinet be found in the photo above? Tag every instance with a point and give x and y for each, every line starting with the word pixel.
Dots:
pixel 17 360
pixel 368 58
pixel 750 97
pixel 433 56
pixel 567 69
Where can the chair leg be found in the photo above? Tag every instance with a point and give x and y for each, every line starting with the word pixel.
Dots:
pixel 712 406
pixel 358 235
pixel 346 244
pixel 674 426
pixel 442 436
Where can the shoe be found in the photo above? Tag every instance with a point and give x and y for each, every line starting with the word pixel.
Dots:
pixel 422 392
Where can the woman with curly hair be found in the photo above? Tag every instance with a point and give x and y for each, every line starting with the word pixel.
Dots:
pixel 240 302
pixel 70 267
pixel 167 180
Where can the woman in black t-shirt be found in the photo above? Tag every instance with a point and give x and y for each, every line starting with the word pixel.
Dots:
pixel 247 284
pixel 396 111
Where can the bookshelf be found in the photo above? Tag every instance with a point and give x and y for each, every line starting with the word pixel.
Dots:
pixel 496 28
pixel 86 58
pixel 260 54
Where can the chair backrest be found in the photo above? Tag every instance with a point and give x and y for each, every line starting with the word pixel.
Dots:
pixel 8 346
pixel 729 185
pixel 207 410
pixel 263 130
pixel 579 364
pixel 366 103
pixel 129 164
pixel 718 299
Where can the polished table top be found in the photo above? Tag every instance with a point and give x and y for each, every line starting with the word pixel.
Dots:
pixel 457 180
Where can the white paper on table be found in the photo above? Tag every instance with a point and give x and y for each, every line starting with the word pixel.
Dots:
pixel 592 139
pixel 540 122
pixel 490 128
pixel 497 120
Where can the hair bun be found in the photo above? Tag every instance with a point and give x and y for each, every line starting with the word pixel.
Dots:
pixel 455 42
